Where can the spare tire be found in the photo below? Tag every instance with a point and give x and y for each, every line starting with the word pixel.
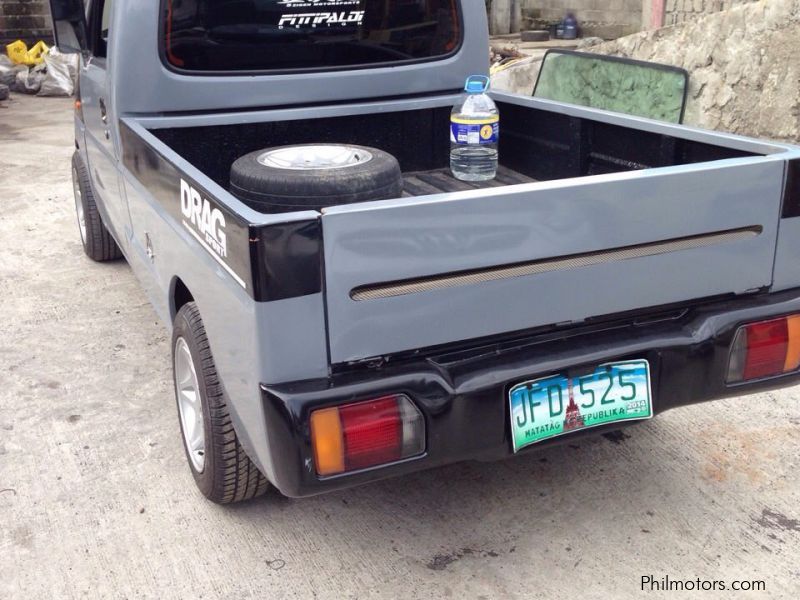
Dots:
pixel 313 176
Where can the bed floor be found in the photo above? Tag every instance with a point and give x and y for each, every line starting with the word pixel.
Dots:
pixel 425 183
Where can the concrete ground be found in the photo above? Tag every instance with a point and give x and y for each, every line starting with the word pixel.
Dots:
pixel 96 500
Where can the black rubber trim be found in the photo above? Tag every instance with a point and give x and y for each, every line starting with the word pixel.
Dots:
pixel 287 260
pixel 791 189
pixel 57 14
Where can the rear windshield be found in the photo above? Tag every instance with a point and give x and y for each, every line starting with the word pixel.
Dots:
pixel 266 35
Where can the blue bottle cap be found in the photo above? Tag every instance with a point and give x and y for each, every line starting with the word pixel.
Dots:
pixel 476 84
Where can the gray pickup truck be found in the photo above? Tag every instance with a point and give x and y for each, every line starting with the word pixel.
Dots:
pixel 615 267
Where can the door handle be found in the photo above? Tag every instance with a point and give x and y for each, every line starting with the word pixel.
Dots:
pixel 104 117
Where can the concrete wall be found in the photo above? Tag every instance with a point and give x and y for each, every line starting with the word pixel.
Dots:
pixel 603 18
pixel 28 20
pixel 677 11
pixel 744 71
pixel 505 16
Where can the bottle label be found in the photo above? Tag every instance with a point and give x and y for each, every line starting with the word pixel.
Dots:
pixel 474 132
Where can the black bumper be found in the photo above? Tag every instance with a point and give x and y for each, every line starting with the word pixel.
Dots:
pixel 463 395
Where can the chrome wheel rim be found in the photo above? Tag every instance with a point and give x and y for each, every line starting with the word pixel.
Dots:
pixel 76 188
pixel 314 156
pixel 190 405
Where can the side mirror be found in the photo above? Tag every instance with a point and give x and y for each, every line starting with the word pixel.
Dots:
pixel 69 25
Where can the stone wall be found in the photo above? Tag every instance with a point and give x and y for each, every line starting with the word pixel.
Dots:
pixel 603 18
pixel 677 11
pixel 743 64
pixel 28 20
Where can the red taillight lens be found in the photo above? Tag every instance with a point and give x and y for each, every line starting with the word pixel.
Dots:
pixel 365 434
pixel 765 349
pixel 373 432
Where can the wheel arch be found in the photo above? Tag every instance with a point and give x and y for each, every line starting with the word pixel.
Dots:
pixel 179 294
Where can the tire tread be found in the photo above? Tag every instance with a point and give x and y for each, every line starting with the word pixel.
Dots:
pixel 99 245
pixel 235 477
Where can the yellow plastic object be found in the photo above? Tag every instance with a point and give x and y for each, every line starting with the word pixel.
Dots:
pixel 36 54
pixel 19 53
pixel 504 64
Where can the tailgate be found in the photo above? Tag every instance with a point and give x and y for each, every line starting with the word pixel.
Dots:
pixel 414 273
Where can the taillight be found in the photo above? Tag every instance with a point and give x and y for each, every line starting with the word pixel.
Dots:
pixel 366 434
pixel 765 349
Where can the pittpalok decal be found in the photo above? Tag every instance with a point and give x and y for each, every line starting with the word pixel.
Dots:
pixel 317 3
pixel 354 17
pixel 206 220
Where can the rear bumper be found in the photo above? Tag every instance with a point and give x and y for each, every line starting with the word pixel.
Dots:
pixel 464 398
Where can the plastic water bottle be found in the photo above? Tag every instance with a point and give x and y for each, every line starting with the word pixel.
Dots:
pixel 474 133
pixel 570 24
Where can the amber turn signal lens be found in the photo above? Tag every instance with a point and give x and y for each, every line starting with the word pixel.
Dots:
pixel 326 433
pixel 792 361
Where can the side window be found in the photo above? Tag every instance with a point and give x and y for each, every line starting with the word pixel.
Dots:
pixel 99 19
pixel 105 19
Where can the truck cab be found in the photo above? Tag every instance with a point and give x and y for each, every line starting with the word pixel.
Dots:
pixel 616 267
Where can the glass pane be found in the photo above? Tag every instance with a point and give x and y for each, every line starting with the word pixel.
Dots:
pixel 653 91
pixel 69 24
pixel 259 35
pixel 105 20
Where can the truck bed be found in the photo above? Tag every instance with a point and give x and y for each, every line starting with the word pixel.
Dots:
pixel 535 145
pixel 436 181
pixel 697 220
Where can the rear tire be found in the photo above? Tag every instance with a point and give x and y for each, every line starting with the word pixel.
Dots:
pixel 222 470
pixel 535 35
pixel 95 238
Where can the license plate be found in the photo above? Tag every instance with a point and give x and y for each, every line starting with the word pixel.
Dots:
pixel 551 406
